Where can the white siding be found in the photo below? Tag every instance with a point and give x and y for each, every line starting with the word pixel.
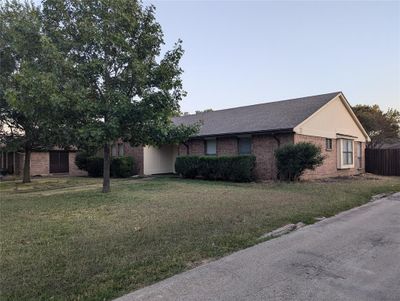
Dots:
pixel 330 120
pixel 159 160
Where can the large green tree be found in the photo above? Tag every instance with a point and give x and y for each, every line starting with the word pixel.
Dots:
pixel 131 91
pixel 30 81
pixel 381 126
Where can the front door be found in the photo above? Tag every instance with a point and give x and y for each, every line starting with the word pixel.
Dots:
pixel 59 162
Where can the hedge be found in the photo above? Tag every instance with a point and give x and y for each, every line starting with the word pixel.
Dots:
pixel 121 167
pixel 228 168
pixel 187 166
pixel 94 166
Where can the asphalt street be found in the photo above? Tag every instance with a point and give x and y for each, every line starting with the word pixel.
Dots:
pixel 352 256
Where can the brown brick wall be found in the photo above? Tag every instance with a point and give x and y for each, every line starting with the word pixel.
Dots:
pixel 40 163
pixel 329 167
pixel 196 147
pixel 263 147
pixel 227 146
pixel 183 149
pixel 136 152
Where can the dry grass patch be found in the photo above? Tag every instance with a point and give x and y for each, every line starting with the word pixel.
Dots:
pixel 80 244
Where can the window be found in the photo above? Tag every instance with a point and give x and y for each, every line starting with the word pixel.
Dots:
pixel 117 150
pixel 120 149
pixel 328 144
pixel 244 145
pixel 114 150
pixel 211 147
pixel 347 152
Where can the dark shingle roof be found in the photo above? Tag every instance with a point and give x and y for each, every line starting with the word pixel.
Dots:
pixel 265 117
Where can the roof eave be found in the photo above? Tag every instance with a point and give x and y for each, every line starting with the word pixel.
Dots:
pixel 261 132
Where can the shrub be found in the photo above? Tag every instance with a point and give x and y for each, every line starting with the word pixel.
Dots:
pixel 187 166
pixel 94 166
pixel 293 159
pixel 229 168
pixel 242 168
pixel 208 168
pixel 122 167
pixel 81 160
pixel 3 171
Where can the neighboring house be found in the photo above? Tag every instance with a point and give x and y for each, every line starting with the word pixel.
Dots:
pixel 55 161
pixel 43 163
pixel 394 144
pixel 325 120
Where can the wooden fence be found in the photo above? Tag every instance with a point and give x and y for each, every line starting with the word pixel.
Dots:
pixel 384 162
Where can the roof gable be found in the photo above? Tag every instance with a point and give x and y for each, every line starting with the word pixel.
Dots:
pixel 334 118
pixel 276 116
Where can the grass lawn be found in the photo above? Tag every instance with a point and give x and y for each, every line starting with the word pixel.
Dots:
pixel 62 239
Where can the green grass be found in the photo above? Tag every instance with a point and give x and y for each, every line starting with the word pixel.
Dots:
pixel 62 239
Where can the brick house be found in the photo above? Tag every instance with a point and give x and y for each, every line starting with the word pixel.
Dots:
pixel 326 120
pixel 43 163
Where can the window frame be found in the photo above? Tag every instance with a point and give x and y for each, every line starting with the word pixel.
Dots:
pixel 114 150
pixel 328 146
pixel 120 147
pixel 248 138
pixel 206 141
pixel 343 152
pixel 359 155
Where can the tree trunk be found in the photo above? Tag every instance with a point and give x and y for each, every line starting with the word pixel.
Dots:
pixel 27 166
pixel 106 168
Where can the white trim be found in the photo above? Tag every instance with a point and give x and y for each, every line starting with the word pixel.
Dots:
pixel 339 148
pixel 344 136
pixel 359 152
pixel 326 144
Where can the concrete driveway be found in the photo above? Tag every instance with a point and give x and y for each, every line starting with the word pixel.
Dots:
pixel 352 256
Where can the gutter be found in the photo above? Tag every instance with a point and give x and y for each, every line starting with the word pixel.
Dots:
pixel 267 132
pixel 277 140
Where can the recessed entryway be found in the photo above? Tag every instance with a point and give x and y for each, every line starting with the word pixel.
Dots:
pixel 59 162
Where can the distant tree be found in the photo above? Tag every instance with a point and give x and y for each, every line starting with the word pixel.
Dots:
pixel 114 46
pixel 381 127
pixel 30 107
pixel 203 111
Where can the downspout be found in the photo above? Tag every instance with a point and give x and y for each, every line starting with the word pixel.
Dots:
pixel 187 147
pixel 277 140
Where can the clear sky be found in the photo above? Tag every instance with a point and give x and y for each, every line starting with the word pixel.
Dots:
pixel 243 52
pixel 246 52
